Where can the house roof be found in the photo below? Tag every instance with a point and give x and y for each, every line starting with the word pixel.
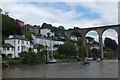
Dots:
pixel 18 37
pixel 19 21
pixel 39 36
pixel 7 45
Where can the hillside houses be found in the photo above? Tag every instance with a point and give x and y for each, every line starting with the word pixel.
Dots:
pixel 32 29
pixel 36 29
pixel 46 33
pixel 8 49
pixel 14 45
pixel 20 23
pixel 46 42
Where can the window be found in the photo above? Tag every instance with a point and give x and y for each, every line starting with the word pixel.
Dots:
pixel 27 42
pixel 12 49
pixel 18 48
pixel 22 42
pixel 23 48
pixel 8 48
pixel 9 55
pixel 4 49
pixel 18 41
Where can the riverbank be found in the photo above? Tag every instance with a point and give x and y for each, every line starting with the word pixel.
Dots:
pixel 104 69
pixel 14 63
pixel 68 60
pixel 0 67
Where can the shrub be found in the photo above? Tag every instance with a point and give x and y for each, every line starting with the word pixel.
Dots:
pixel 13 62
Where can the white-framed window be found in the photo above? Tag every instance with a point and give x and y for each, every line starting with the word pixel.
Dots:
pixel 7 48
pixel 18 48
pixel 18 41
pixel 27 42
pixel 4 49
pixel 14 41
pixel 12 49
pixel 22 41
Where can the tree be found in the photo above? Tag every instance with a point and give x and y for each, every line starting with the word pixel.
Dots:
pixel 32 58
pixel 109 53
pixel 68 49
pixel 90 39
pixel 110 43
pixel 1 10
pixel 59 31
pixel 9 27
pixel 82 51
pixel 46 26
pixel 39 47
pixel 27 34
pixel 61 27
pixel 96 52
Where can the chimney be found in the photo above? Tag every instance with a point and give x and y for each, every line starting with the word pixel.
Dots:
pixel 10 36
pixel 23 36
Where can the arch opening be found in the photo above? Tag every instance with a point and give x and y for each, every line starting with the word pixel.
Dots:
pixel 110 43
pixel 92 43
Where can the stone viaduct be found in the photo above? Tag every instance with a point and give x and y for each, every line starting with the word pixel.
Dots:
pixel 100 30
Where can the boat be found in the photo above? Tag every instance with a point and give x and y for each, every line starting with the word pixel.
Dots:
pixel 89 59
pixel 50 58
pixel 98 60
pixel 86 62
pixel 52 61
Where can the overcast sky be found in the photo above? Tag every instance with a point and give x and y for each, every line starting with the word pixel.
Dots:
pixel 69 14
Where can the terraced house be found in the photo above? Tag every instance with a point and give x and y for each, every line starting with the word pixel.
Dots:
pixel 14 45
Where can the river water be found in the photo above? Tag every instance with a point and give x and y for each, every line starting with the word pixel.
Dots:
pixel 103 69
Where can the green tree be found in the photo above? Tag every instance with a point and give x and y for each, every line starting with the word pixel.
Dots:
pixel 59 31
pixel 39 47
pixel 1 10
pixel 9 27
pixel 110 43
pixel 42 56
pixel 61 27
pixel 109 53
pixel 82 51
pixel 96 52
pixel 27 34
pixel 68 49
pixel 90 39
pixel 31 58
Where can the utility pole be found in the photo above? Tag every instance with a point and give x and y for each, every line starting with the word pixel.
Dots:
pixel 86 47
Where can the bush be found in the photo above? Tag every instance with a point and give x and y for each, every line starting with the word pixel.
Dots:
pixel 109 53
pixel 62 56
pixel 68 49
pixel 13 62
pixel 82 51
pixel 32 58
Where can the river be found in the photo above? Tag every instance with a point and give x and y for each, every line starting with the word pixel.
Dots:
pixel 103 69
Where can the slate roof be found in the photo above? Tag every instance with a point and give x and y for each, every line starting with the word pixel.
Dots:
pixel 18 37
pixel 7 45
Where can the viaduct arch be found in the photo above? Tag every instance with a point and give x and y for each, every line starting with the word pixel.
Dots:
pixel 100 30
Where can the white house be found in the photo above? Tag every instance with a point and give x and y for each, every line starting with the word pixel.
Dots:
pixel 46 42
pixel 15 44
pixel 45 32
pixel 34 48
pixel 73 38
pixel 8 50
